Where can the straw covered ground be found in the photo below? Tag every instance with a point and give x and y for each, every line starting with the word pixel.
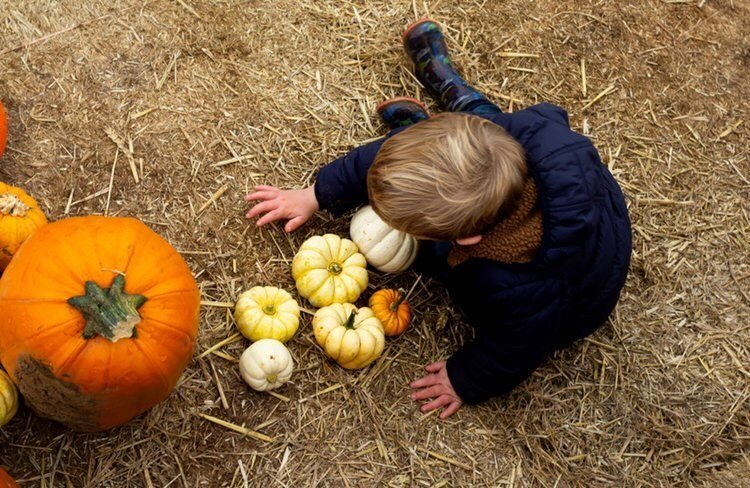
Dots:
pixel 171 110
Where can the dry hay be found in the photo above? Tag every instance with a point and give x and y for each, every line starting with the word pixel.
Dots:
pixel 170 111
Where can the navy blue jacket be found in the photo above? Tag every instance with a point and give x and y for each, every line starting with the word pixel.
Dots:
pixel 523 312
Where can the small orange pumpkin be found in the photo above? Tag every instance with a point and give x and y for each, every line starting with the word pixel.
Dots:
pixel 6 481
pixel 19 217
pixel 99 318
pixel 3 129
pixel 391 309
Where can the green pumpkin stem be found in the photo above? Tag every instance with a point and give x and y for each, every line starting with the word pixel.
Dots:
pixel 397 303
pixel 349 324
pixel 109 312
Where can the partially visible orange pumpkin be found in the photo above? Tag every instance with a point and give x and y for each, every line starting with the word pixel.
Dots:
pixel 3 129
pixel 19 217
pixel 99 318
pixel 392 310
pixel 6 481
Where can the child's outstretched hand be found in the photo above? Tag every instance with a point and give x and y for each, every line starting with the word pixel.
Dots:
pixel 296 206
pixel 437 386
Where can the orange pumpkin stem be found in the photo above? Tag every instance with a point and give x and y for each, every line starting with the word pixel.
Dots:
pixel 109 312
pixel 11 205
pixel 349 324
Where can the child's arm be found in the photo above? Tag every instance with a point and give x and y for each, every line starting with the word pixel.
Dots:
pixel 517 334
pixel 340 186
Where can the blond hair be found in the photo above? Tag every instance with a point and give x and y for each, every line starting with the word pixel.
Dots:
pixel 448 177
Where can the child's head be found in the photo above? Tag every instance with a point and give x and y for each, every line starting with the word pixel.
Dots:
pixel 448 177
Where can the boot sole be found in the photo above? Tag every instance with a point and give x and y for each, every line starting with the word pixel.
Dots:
pixel 385 103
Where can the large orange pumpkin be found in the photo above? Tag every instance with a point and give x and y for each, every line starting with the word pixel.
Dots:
pixel 6 481
pixel 3 129
pixel 391 309
pixel 99 318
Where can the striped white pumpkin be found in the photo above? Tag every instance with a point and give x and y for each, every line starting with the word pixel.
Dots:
pixel 384 247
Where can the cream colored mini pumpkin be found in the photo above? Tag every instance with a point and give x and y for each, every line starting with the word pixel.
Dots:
pixel 267 312
pixel 385 248
pixel 328 269
pixel 8 398
pixel 352 337
pixel 266 364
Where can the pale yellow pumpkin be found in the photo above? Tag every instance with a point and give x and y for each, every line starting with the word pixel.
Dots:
pixel 8 398
pixel 267 312
pixel 328 269
pixel 352 337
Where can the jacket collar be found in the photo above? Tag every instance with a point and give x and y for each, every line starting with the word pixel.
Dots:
pixel 562 163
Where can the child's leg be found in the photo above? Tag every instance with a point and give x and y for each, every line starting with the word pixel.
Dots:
pixel 425 45
pixel 402 111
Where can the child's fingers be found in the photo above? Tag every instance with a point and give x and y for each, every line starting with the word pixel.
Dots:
pixel 429 392
pixel 266 206
pixel 260 195
pixel 435 367
pixel 450 410
pixel 426 381
pixel 266 188
pixel 440 401
pixel 294 224
pixel 271 216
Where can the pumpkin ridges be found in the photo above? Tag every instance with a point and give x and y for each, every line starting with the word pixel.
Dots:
pixel 267 312
pixel 385 248
pixel 395 321
pixel 315 276
pixel 147 323
pixel 9 348
pixel 161 374
pixel 351 348
pixel 266 364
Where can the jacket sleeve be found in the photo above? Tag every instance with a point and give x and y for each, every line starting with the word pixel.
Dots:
pixel 551 112
pixel 342 184
pixel 508 348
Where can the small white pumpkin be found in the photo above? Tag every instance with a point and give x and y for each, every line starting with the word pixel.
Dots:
pixel 266 364
pixel 385 248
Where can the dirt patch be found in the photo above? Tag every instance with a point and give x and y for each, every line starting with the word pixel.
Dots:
pixel 53 398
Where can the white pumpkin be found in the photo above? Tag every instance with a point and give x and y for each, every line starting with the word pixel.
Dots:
pixel 385 248
pixel 266 364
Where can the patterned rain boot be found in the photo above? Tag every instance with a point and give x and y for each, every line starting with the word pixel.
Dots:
pixel 402 111
pixel 425 45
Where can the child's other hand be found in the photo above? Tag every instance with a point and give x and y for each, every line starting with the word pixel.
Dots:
pixel 296 206
pixel 437 386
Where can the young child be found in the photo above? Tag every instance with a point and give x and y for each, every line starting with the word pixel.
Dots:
pixel 527 227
